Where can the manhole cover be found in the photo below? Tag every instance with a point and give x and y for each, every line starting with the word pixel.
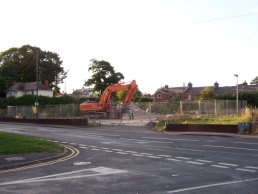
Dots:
pixel 81 163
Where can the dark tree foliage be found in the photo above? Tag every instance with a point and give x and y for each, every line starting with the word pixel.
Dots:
pixel 103 75
pixel 19 65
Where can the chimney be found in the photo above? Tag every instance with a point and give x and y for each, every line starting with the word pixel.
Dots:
pixel 216 84
pixel 166 86
pixel 190 85
pixel 46 83
pixel 14 82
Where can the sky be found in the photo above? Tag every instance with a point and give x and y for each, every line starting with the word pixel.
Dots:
pixel 155 42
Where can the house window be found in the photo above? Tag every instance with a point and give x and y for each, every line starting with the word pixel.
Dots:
pixel 159 96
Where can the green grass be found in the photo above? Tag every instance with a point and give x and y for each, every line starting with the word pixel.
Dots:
pixel 222 120
pixel 18 144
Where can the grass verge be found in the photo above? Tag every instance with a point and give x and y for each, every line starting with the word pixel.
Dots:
pixel 19 144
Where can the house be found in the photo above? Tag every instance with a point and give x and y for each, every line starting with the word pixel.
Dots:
pixel 30 88
pixel 166 94
pixel 84 93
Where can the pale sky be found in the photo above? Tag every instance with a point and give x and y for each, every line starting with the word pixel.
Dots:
pixel 155 42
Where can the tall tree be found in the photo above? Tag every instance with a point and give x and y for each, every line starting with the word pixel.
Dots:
pixel 255 80
pixel 19 64
pixel 103 75
pixel 206 94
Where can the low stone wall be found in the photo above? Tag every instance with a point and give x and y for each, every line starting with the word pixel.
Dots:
pixel 74 122
pixel 202 128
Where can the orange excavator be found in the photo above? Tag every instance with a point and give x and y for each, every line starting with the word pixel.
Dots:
pixel 106 104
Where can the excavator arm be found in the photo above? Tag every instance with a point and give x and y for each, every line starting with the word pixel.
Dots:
pixel 104 102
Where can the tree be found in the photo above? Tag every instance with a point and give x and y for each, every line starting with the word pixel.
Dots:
pixel 103 75
pixel 255 80
pixel 19 64
pixel 206 94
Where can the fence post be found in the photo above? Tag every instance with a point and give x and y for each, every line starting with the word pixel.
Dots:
pixel 215 107
pixel 181 107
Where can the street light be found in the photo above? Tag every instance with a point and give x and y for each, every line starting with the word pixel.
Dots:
pixel 236 75
pixel 37 92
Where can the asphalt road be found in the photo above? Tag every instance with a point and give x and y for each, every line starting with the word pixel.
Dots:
pixel 128 159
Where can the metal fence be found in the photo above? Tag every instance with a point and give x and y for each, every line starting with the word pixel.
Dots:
pixel 212 107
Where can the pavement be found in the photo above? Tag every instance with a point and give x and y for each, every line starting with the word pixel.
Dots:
pixel 12 161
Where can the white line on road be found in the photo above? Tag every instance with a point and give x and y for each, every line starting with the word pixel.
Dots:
pixel 131 152
pixel 206 161
pixel 251 167
pixel 212 185
pixel 95 149
pixel 171 139
pixel 137 155
pixel 219 166
pixel 246 170
pixel 183 158
pixel 55 177
pixel 124 153
pixel 109 151
pixel 246 143
pixel 149 154
pixel 155 157
pixel 83 147
pixel 226 164
pixel 166 156
pixel 119 150
pixel 172 159
pixel 192 162
pixel 237 148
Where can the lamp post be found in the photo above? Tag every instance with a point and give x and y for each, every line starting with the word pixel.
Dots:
pixel 236 75
pixel 37 91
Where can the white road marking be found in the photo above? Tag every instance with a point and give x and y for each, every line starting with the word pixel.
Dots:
pixel 155 157
pixel 171 139
pixel 237 148
pixel 63 176
pixel 219 166
pixel 192 162
pixel 95 149
pixel 83 147
pixel 251 167
pixel 105 148
pixel 212 185
pixel 119 150
pixel 247 143
pixel 172 159
pixel 109 151
pixel 54 141
pixel 183 158
pixel 246 170
pixel 226 164
pixel 206 161
pixel 145 141
pixel 166 156
pixel 137 155
pixel 81 163
pixel 73 143
pixel 124 153
pixel 149 154
pixel 131 152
